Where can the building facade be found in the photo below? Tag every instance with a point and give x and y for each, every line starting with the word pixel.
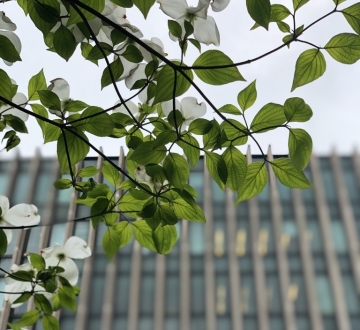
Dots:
pixel 285 260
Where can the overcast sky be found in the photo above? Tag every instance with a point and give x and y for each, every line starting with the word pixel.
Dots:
pixel 334 98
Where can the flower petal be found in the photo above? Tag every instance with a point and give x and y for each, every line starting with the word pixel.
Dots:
pixel 16 286
pixel 118 16
pixel 22 215
pixel 53 251
pixel 6 23
pixel 134 109
pixel 219 5
pixel 167 106
pixel 155 44
pixel 71 272
pixel 191 109
pixel 200 10
pixel 61 88
pixel 135 75
pixel 4 204
pixel 173 8
pixel 76 248
pixel 206 31
pixel 19 99
pixel 109 8
pixel 9 235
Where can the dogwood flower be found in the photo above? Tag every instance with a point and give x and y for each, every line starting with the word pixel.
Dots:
pixel 18 216
pixel 6 28
pixel 205 28
pixel 142 177
pixel 189 108
pixel 133 108
pixel 19 99
pixel 61 88
pixel 58 255
pixel 12 285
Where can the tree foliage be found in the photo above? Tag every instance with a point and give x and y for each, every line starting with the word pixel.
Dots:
pixel 147 198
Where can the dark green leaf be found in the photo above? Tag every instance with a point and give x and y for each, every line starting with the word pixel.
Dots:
pixel 145 153
pixel 37 261
pixel 217 168
pixel 284 27
pixel 116 68
pixel 16 123
pixel 213 58
pixel 8 51
pixel 260 11
pixel 289 175
pixel 75 106
pixel 164 238
pixel 123 3
pixel 23 298
pixel 200 126
pixel 6 86
pixel 50 100
pixel 309 66
pixel 111 242
pixel 3 242
pixel 269 117
pixel 236 167
pixel 175 29
pixel 64 42
pixel 63 184
pixel 352 15
pixel 299 3
pixel 300 147
pixel 43 304
pixel 191 148
pixel 144 6
pixel 132 54
pixel 255 181
pixel 176 170
pixel 187 212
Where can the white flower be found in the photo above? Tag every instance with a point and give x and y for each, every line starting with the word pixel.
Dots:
pixel 142 177
pixel 19 99
pixel 6 26
pixel 205 28
pixel 133 108
pixel 189 108
pixel 12 285
pixel 74 248
pixel 61 88
pixel 18 216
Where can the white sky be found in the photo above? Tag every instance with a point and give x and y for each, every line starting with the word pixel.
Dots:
pixel 334 98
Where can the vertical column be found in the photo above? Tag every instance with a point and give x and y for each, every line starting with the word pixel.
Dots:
pixel 209 256
pixel 260 287
pixel 159 299
pixel 356 160
pixel 348 219
pixel 134 294
pixel 342 317
pixel 307 262
pixel 282 262
pixel 234 274
pixel 185 303
pixel 110 279
pixel 84 298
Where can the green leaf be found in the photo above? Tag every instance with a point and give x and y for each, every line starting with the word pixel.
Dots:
pixel 99 122
pixel 16 123
pixel 237 135
pixel 212 76
pixel 255 181
pixel 3 242
pixel 185 211
pixel 164 238
pixel 143 234
pixel 50 322
pixel 289 175
pixel 231 109
pixel 144 6
pixel 50 100
pixel 29 318
pixel 260 11
pixel 97 210
pixel 176 170
pixel 195 43
pixel 23 298
pixel 40 110
pixel 8 51
pixel 299 3
pixel 310 66
pixel 191 148
pixel 146 153
pixel 43 304
pixel 76 148
pixel 97 5
pixel 111 174
pixel 36 83
pixel 165 84
pixel 37 261
pixel 130 204
pixel 269 117
pixel 116 68
pixel 300 147
pixel 352 15
pixel 217 168
pixel 175 29
pixel 75 106
pixel 63 184
pixel 200 126
pixel 38 11
pixel 284 27
pixel 344 48
pixel 123 3
pixel 132 54
pixel 278 13
pixel 124 231
pixel 237 167
pixel 296 110
pixel 87 172
pixel 247 97
pixel 6 86
pixel 14 326
pixel 64 42
pixel 110 242
pixel 51 133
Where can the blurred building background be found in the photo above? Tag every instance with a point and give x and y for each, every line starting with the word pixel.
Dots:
pixel 286 260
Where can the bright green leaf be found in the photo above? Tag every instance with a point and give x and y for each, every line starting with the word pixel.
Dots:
pixel 269 117
pixel 296 110
pixel 229 108
pixel 247 97
pixel 124 231
pixel 217 168
pixel 50 322
pixel 300 147
pixel 176 170
pixel 111 242
pixel 143 234
pixel 6 86
pixel 36 83
pixel 145 153
pixel 344 48
pixel 111 174
pixel 299 3
pixel 260 11
pixel 37 261
pixel 164 238
pixel 29 318
pixel 236 166
pixel 144 6
pixel 352 15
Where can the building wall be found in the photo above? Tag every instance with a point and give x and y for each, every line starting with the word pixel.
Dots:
pixel 286 260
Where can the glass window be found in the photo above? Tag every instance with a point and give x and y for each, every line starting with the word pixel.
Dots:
pixel 273 293
pixel 145 323
pixel 196 238
pixel 217 194
pixel 247 295
pixel 171 323
pixel 315 236
pixel 197 294
pixel 297 293
pixel 250 323
pixel 57 234
pixel 351 296
pixel 172 292
pixel 276 323
pixel 339 237
pixel 324 294
pixel 147 287
pixel 302 323
pixel 196 180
